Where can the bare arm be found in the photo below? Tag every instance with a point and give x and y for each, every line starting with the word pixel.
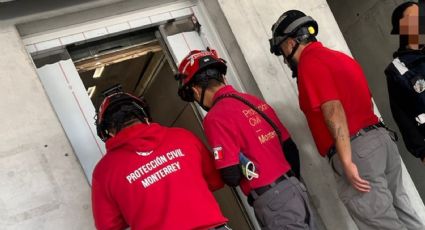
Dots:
pixel 335 119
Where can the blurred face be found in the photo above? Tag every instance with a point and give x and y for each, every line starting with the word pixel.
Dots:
pixel 286 47
pixel 208 96
pixel 197 92
pixel 409 24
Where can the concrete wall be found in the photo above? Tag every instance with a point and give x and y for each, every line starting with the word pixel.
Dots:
pixel 232 47
pixel 366 26
pixel 41 181
pixel 57 20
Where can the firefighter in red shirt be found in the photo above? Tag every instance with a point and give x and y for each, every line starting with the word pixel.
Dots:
pixel 246 136
pixel 152 177
pixel 335 98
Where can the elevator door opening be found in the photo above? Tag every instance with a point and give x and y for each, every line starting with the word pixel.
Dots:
pixel 139 65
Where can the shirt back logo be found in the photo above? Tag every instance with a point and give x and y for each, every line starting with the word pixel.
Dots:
pixel 144 153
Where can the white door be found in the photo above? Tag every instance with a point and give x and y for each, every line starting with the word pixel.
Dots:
pixel 75 111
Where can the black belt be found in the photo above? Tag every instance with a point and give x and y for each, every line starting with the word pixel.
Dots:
pixel 261 190
pixel 332 150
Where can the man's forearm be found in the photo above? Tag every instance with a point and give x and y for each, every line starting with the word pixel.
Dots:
pixel 335 119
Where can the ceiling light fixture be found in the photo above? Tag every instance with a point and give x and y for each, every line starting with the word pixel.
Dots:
pixel 98 72
pixel 91 90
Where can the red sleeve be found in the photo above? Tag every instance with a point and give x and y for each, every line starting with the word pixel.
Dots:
pixel 223 139
pixel 318 82
pixel 105 212
pixel 210 173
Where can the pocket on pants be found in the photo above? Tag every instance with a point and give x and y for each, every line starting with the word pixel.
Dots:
pixel 366 145
pixel 369 206
pixel 288 210
pixel 282 197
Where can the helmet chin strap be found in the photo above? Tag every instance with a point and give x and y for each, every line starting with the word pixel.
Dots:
pixel 204 85
pixel 201 102
pixel 291 62
pixel 144 119
pixel 291 55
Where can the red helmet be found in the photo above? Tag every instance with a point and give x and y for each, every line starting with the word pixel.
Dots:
pixel 114 101
pixel 195 62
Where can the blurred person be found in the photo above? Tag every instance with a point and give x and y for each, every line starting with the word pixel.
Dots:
pixel 406 78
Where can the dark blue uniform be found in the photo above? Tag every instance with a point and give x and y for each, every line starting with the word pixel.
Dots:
pixel 406 88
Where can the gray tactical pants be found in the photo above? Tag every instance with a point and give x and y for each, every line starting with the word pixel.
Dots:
pixel 284 207
pixel 387 205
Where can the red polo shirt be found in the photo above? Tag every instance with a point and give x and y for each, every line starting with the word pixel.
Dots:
pixel 232 127
pixel 324 75
pixel 154 177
